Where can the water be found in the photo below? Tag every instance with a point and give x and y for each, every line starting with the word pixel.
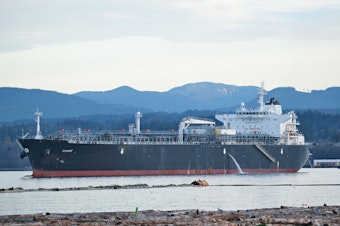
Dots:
pixel 239 170
pixel 228 192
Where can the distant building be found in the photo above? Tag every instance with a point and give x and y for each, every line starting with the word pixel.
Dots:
pixel 326 163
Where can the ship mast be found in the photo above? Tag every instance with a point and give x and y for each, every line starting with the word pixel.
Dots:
pixel 261 93
pixel 38 114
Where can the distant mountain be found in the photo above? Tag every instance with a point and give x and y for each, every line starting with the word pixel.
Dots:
pixel 17 103
pixel 199 96
pixel 291 99
pixel 316 99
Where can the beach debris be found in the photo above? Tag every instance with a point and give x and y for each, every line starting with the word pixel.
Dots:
pixel 326 215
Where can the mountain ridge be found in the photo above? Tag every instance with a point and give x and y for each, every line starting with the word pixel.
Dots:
pixel 20 103
pixel 202 95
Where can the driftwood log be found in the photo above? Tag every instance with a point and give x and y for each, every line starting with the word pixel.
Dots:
pixel 200 183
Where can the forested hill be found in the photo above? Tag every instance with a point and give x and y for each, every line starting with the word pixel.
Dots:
pixel 315 125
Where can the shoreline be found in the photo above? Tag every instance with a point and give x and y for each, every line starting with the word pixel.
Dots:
pixel 143 185
pixel 311 215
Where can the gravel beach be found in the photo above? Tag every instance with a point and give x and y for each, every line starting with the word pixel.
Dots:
pixel 312 215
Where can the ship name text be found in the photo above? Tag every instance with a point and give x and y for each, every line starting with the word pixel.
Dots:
pixel 67 150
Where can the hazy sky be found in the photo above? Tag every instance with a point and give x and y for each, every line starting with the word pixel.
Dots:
pixel 70 46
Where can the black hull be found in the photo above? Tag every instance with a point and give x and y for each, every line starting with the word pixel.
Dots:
pixel 57 158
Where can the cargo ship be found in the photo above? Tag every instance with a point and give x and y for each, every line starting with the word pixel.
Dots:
pixel 259 140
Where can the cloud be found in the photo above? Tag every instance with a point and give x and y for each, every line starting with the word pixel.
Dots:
pixel 231 10
pixel 293 6
pixel 30 23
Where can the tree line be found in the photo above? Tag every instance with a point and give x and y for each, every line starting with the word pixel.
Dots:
pixel 317 126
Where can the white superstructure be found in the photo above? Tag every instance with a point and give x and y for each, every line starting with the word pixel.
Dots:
pixel 268 120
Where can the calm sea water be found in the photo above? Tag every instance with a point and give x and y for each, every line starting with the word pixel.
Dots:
pixel 228 192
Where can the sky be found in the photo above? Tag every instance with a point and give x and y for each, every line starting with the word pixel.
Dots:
pixel 155 45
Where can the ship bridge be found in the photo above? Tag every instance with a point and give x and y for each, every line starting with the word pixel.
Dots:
pixel 267 119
